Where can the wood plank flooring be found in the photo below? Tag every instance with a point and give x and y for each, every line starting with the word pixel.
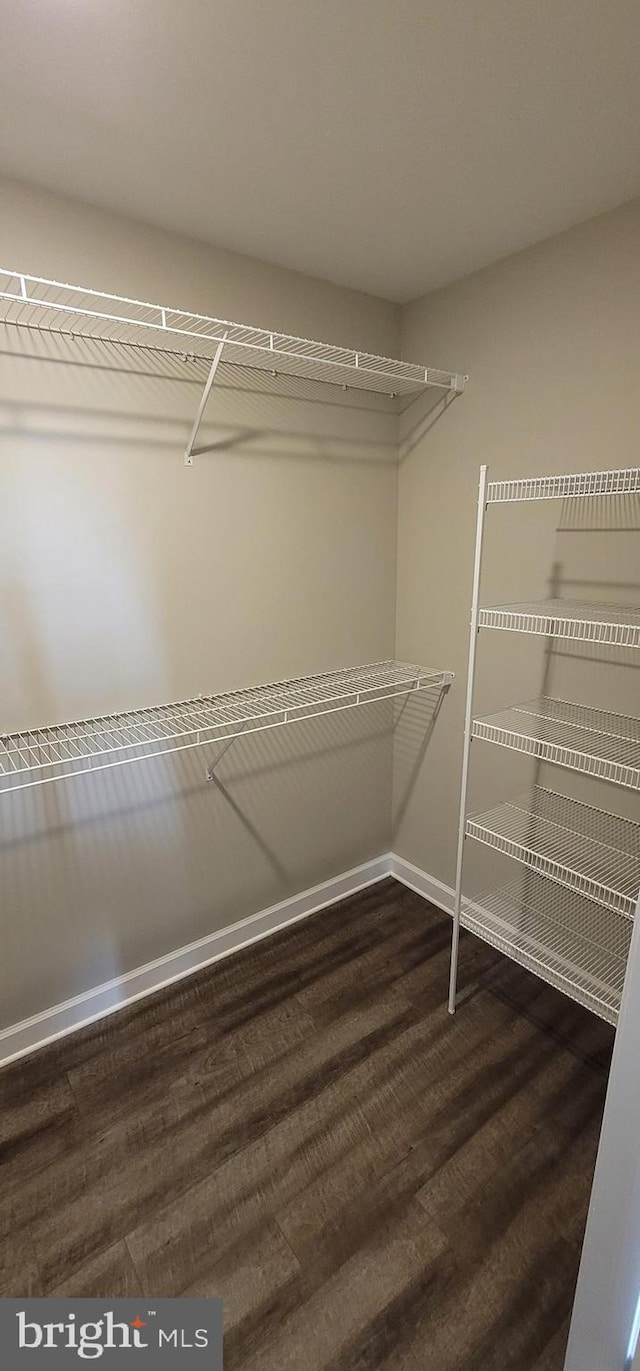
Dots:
pixel 304 1130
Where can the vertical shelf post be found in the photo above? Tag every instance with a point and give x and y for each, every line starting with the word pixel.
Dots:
pixel 468 720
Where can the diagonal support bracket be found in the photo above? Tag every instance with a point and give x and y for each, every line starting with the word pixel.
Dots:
pixel 189 450
pixel 211 769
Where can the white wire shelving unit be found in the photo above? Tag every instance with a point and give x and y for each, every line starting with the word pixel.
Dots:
pixel 34 302
pixel 568 915
pixel 36 756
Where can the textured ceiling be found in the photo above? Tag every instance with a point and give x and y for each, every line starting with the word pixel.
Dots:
pixel 390 145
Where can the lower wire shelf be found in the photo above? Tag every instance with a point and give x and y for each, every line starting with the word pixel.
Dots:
pixel 566 939
pixel 36 756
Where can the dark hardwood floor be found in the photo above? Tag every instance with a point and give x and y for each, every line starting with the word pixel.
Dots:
pixel 303 1129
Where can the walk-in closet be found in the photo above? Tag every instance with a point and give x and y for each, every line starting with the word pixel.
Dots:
pixel 320 685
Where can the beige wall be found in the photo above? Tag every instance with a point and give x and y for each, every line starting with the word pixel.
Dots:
pixel 127 580
pixel 550 338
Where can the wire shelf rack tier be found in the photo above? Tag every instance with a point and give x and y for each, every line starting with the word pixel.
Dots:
pixel 34 302
pixel 565 938
pixel 609 625
pixel 585 849
pixel 36 756
pixel 592 741
pixel 580 485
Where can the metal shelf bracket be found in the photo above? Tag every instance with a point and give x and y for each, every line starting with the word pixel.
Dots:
pixel 190 450
pixel 210 774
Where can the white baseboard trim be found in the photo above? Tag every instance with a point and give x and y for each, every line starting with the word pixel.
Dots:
pixel 25 1037
pixel 432 889
pixel 30 1034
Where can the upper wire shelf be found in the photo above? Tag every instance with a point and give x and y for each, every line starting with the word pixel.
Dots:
pixel 585 849
pixel 611 625
pixel 36 756
pixel 35 302
pixel 594 742
pixel 625 481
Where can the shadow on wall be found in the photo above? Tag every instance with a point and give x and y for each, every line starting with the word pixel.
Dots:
pixel 561 671
pixel 69 804
pixel 59 423
pixel 98 376
pixel 87 529
pixel 127 580
pixel 597 571
pixel 415 722
pixel 419 416
pixel 102 873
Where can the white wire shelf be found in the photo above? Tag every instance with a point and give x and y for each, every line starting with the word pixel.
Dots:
pixel 625 481
pixel 604 624
pixel 566 939
pixel 592 741
pixel 585 849
pixel 38 303
pixel 36 756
